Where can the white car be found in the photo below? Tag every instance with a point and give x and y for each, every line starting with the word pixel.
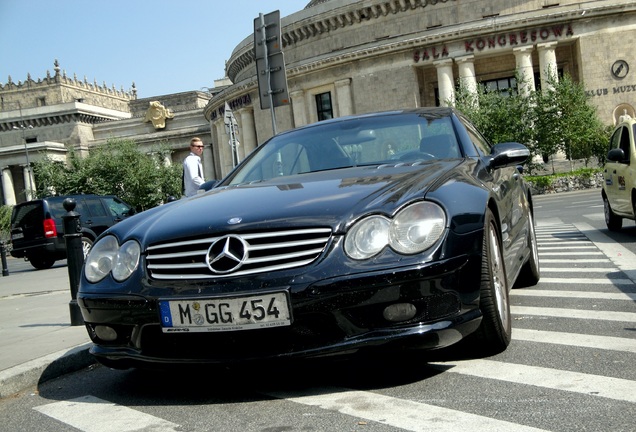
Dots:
pixel 619 188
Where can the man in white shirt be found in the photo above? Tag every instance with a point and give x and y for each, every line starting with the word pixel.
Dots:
pixel 192 169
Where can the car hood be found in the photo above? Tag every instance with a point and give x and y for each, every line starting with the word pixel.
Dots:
pixel 332 199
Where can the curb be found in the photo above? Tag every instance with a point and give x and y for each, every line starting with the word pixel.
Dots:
pixel 34 372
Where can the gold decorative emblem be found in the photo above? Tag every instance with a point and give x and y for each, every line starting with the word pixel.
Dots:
pixel 157 114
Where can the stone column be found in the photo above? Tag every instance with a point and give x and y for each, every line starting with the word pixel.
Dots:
pixel 207 160
pixel 298 107
pixel 29 182
pixel 445 82
pixel 7 187
pixel 548 64
pixel 467 76
pixel 248 131
pixel 225 150
pixel 525 70
pixel 343 97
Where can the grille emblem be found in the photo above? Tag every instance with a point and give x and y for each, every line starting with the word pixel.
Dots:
pixel 227 254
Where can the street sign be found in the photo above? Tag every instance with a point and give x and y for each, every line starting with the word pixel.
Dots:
pixel 270 61
pixel 277 81
pixel 272 35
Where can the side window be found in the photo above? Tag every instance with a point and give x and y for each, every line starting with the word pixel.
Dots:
pixel 116 207
pixel 620 140
pixel 482 146
pixel 95 207
pixel 625 142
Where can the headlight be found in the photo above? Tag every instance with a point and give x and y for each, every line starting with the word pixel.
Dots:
pixel 417 227
pixel 106 256
pixel 414 229
pixel 367 237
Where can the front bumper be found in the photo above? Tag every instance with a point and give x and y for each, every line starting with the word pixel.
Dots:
pixel 334 316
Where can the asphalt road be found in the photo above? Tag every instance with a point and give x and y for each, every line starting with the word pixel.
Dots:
pixel 570 367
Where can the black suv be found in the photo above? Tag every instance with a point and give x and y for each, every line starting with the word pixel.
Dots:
pixel 37 227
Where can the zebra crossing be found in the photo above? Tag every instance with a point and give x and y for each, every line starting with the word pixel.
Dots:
pixel 583 310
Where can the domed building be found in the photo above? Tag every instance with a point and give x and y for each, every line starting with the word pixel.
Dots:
pixel 349 57
pixel 341 57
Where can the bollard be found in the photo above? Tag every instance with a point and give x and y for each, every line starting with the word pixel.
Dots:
pixel 3 255
pixel 74 257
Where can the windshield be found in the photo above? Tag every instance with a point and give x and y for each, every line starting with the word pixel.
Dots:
pixel 372 140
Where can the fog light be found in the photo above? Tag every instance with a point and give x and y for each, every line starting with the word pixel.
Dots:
pixel 399 312
pixel 105 333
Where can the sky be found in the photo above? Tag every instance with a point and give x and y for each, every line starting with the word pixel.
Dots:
pixel 163 46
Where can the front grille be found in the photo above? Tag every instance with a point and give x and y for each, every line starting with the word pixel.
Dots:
pixel 236 254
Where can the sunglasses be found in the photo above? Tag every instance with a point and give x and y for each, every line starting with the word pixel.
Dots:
pixel 198 146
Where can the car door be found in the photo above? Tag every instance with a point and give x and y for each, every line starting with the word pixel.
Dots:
pixel 97 218
pixel 617 173
pixel 508 186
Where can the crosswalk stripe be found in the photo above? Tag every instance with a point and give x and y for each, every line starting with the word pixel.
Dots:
pixel 603 270
pixel 574 294
pixel 570 261
pixel 588 281
pixel 574 313
pixel 558 241
pixel 556 379
pixel 576 339
pixel 622 257
pixel 400 413
pixel 91 414
pixel 573 247
pixel 569 253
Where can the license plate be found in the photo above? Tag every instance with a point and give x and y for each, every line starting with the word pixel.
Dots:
pixel 17 236
pixel 225 314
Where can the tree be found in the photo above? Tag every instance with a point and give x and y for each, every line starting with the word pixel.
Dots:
pixel 116 168
pixel 559 118
pixel 501 116
pixel 567 122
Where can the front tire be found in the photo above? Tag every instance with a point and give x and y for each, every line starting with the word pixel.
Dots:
pixel 87 244
pixel 531 271
pixel 495 331
pixel 41 262
pixel 613 222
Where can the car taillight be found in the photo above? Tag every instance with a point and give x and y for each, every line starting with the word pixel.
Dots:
pixel 49 228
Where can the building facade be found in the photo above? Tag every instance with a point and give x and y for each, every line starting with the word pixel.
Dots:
pixel 341 57
pixel 350 57
pixel 53 116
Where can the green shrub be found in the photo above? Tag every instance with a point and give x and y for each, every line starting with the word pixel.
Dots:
pixel 5 222
pixel 544 182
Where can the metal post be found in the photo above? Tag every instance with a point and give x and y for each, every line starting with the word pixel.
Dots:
pixel 3 255
pixel 74 257
pixel 268 73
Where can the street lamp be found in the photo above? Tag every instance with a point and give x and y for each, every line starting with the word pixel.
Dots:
pixel 26 150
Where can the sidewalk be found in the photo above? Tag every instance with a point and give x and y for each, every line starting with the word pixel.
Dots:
pixel 37 341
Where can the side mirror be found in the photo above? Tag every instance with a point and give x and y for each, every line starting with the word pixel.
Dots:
pixel 210 184
pixel 507 154
pixel 616 155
